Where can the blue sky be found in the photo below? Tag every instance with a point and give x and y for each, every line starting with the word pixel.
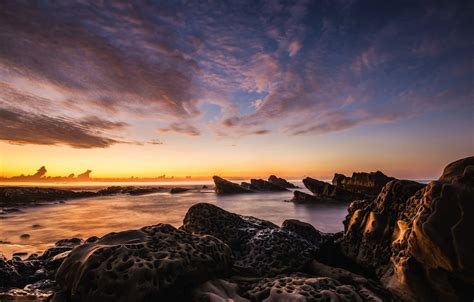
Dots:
pixel 96 75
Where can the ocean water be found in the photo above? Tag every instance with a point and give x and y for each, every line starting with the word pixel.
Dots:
pixel 98 216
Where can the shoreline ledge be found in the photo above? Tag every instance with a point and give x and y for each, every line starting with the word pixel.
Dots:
pixel 412 242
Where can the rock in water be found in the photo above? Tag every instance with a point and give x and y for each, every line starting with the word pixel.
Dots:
pixel 362 182
pixel 327 191
pixel 263 185
pixel 281 182
pixel 301 197
pixel 226 187
pixel 419 238
pixel 260 248
pixel 153 263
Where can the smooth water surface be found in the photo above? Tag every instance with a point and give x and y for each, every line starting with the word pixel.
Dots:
pixel 97 216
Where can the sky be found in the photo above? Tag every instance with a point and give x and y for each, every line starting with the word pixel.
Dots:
pixel 235 88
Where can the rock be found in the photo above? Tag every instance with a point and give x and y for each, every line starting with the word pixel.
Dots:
pixel 110 191
pixel 178 190
pixel 327 191
pixel 35 226
pixel 153 263
pixel 60 246
pixel 143 191
pixel 300 287
pixel 274 251
pixel 418 238
pixel 27 195
pixel 233 229
pixel 281 182
pixel 25 236
pixel 305 231
pixel 263 185
pixel 218 290
pixel 362 182
pixel 226 187
pixel 248 186
pixel 301 197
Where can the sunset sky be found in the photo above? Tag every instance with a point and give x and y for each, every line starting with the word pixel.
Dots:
pixel 244 88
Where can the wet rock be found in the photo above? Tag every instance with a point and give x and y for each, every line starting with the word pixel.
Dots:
pixel 234 229
pixel 281 182
pixel 419 243
pixel 362 182
pixel 143 191
pixel 226 187
pixel 218 290
pixel 305 231
pixel 248 186
pixel 22 195
pixel 35 226
pixel 178 190
pixel 263 185
pixel 153 263
pixel 301 197
pixel 328 191
pixel 60 246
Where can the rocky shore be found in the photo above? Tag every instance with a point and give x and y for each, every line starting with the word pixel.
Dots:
pixel 402 241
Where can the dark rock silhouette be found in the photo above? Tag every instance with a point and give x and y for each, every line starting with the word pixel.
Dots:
pixel 85 175
pixel 281 182
pixel 224 186
pixel 19 195
pixel 178 190
pixel 301 197
pixel 362 182
pixel 304 230
pixel 40 173
pixel 328 191
pixel 263 185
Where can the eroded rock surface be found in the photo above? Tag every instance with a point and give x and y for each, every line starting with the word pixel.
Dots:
pixel 155 262
pixel 223 186
pixel 305 231
pixel 418 238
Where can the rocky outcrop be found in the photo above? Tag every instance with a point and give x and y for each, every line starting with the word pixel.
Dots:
pixel 362 182
pixel 327 191
pixel 28 195
pixel 263 185
pixel 153 263
pixel 417 238
pixel 178 190
pixel 301 197
pixel 281 182
pixel 223 186
pixel 260 248
pixel 304 230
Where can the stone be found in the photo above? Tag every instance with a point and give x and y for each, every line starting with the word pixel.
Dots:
pixel 156 262
pixel 28 195
pixel 305 231
pixel 328 191
pixel 281 182
pixel 362 182
pixel 301 197
pixel 223 186
pixel 178 190
pixel 263 185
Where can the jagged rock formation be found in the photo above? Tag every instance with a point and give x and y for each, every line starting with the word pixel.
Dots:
pixel 152 263
pixel 418 238
pixel 327 191
pixel 281 182
pixel 223 186
pixel 263 185
pixel 304 230
pixel 362 182
pixel 301 197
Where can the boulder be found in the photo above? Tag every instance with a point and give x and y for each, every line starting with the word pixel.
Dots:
pixel 305 231
pixel 362 182
pixel 153 263
pixel 223 186
pixel 178 190
pixel 418 238
pixel 281 182
pixel 328 191
pixel 301 197
pixel 27 195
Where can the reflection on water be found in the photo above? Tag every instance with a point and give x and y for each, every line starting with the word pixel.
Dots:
pixel 98 216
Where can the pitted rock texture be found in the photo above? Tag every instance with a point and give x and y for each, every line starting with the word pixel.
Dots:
pixel 233 229
pixel 328 191
pixel 275 251
pixel 305 231
pixel 263 185
pixel 260 248
pixel 223 186
pixel 152 263
pixel 421 245
pixel 362 182
pixel 281 182
pixel 303 288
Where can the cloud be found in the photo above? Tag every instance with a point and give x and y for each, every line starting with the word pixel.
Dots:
pixel 181 128
pixel 294 48
pixel 20 127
